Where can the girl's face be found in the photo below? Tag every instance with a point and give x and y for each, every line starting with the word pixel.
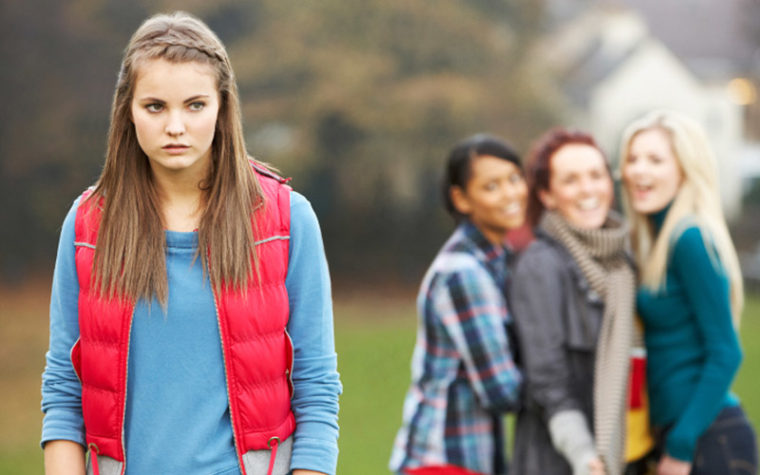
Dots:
pixel 494 198
pixel 580 186
pixel 174 110
pixel 651 173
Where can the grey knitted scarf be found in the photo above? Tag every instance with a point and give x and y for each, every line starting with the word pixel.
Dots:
pixel 600 254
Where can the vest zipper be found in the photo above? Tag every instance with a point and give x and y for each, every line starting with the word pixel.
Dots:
pixel 227 385
pixel 126 376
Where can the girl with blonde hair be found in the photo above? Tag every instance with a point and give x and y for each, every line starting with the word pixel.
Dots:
pixel 190 317
pixel 690 296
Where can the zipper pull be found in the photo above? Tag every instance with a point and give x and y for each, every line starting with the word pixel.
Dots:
pixel 272 443
pixel 93 448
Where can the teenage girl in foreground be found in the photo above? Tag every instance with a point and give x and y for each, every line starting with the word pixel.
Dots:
pixel 191 320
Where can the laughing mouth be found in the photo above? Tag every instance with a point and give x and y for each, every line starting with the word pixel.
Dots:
pixel 588 204
pixel 513 208
pixel 643 187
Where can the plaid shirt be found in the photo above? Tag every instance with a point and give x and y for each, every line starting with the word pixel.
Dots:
pixel 463 372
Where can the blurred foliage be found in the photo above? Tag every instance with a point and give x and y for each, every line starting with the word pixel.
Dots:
pixel 358 101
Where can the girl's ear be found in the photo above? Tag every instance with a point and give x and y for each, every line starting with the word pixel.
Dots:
pixel 460 200
pixel 547 199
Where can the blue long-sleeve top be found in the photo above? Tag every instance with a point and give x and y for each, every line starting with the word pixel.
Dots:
pixel 177 414
pixel 693 350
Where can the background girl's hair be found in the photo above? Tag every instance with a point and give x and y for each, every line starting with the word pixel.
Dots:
pixel 697 202
pixel 130 254
pixel 538 167
pixel 459 164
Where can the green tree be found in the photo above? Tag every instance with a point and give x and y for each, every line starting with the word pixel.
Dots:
pixel 358 101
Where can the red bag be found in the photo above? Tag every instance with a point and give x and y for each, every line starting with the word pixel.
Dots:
pixel 439 470
pixel 638 373
pixel 638 440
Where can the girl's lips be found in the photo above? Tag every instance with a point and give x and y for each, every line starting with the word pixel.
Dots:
pixel 640 194
pixel 175 149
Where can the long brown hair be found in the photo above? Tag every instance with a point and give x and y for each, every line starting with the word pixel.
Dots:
pixel 130 253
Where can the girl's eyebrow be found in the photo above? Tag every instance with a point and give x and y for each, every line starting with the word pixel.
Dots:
pixel 189 99
pixel 151 99
pixel 196 97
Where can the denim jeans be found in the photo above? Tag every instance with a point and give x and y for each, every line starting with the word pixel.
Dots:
pixel 727 447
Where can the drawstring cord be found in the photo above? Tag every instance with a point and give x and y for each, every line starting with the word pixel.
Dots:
pixel 94 458
pixel 272 443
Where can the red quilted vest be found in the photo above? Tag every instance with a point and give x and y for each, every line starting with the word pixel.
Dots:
pixel 258 353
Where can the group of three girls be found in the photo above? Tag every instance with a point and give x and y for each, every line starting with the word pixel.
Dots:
pixel 550 333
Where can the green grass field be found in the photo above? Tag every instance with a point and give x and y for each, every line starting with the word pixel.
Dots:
pixel 374 362
pixel 374 339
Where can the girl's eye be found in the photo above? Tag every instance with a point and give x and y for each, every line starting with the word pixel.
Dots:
pixel 515 178
pixel 155 107
pixel 197 106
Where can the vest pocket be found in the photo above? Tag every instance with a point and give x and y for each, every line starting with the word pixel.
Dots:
pixel 289 363
pixel 76 358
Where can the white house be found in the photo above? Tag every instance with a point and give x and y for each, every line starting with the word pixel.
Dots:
pixel 612 70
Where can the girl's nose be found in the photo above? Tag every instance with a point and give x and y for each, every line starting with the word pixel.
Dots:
pixel 175 126
pixel 586 185
pixel 634 168
pixel 509 190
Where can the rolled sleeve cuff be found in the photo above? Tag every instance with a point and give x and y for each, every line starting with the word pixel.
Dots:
pixel 315 405
pixel 63 424
pixel 314 454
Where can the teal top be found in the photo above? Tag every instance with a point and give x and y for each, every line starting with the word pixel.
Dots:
pixel 693 350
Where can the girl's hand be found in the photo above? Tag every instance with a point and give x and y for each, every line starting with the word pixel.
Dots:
pixel 670 466
pixel 301 471
pixel 596 467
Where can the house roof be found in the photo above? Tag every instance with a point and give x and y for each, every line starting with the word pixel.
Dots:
pixel 592 46
pixel 712 38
